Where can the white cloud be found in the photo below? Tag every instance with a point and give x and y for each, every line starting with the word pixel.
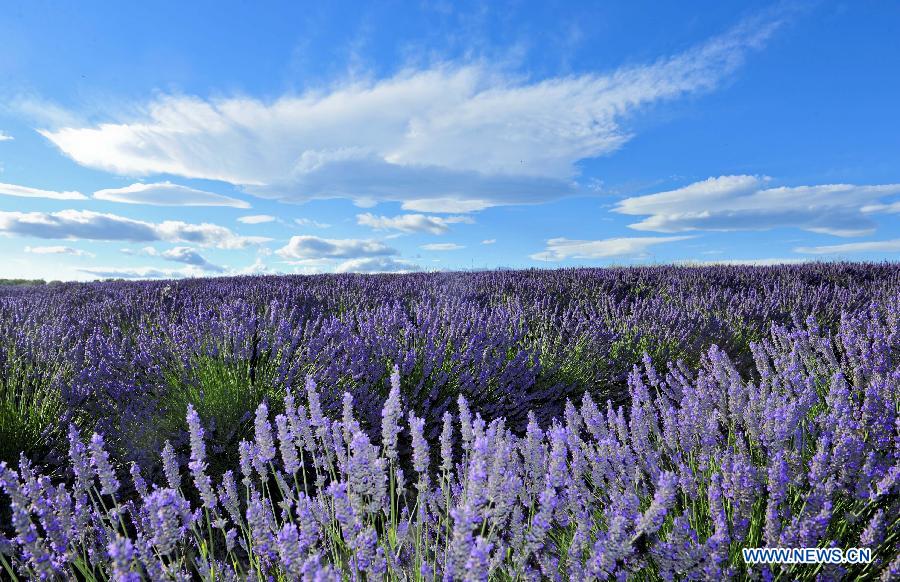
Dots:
pixel 167 194
pixel 58 250
pixel 446 205
pixel 142 273
pixel 310 222
pixel 148 251
pixel 84 224
pixel 377 265
pixel 412 222
pixel 258 267
pixel 5 136
pixel 442 247
pixel 448 138
pixel 313 247
pixel 28 192
pixel 189 256
pixel 559 249
pixel 729 203
pixel 488 241
pixel 877 246
pixel 256 219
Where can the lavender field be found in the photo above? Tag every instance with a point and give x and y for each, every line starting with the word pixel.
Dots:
pixel 581 424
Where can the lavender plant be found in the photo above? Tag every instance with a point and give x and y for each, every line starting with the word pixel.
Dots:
pixel 803 451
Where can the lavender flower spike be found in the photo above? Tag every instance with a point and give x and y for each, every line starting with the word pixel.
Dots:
pixel 390 418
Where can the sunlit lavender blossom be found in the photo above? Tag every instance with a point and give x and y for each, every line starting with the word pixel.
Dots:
pixel 245 452
pixel 197 464
pixel 390 418
pixel 286 444
pixel 122 555
pixel 100 460
pixel 139 484
pixel 652 518
pixel 169 518
pixel 170 466
pixel 264 450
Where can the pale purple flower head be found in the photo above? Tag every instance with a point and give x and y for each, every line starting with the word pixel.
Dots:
pixel 390 418
pixel 105 473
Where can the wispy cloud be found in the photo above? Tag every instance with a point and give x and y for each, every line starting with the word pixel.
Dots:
pixel 142 273
pixel 411 223
pixel 311 222
pixel 5 136
pixel 256 219
pixel 377 265
pixel 488 241
pixel 28 192
pixel 730 203
pixel 167 194
pixel 467 136
pixel 560 249
pixel 313 247
pixel 84 224
pixel 875 246
pixel 58 250
pixel 442 247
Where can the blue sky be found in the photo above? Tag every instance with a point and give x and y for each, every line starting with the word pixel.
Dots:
pixel 189 139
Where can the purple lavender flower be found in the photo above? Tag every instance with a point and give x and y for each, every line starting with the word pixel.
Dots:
pixel 465 421
pixel 420 446
pixel 170 466
pixel 446 441
pixel 478 566
pixel 245 452
pixel 264 442
pixel 122 555
pixel 105 473
pixel 286 443
pixel 139 484
pixel 289 550
pixel 197 465
pixel 390 418
pixel 261 522
pixel 169 517
pixel 652 518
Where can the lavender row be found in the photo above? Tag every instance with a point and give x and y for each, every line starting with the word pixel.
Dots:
pixel 124 359
pixel 801 451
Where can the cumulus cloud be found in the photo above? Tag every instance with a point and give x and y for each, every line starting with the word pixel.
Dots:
pixel 444 139
pixel 28 192
pixel 377 265
pixel 560 249
pixel 875 246
pixel 256 219
pixel 313 247
pixel 730 203
pixel 442 247
pixel 167 194
pixel 189 256
pixel 5 136
pixel 85 224
pixel 58 250
pixel 412 222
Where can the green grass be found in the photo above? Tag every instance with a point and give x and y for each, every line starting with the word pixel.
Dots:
pixel 225 393
pixel 31 409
